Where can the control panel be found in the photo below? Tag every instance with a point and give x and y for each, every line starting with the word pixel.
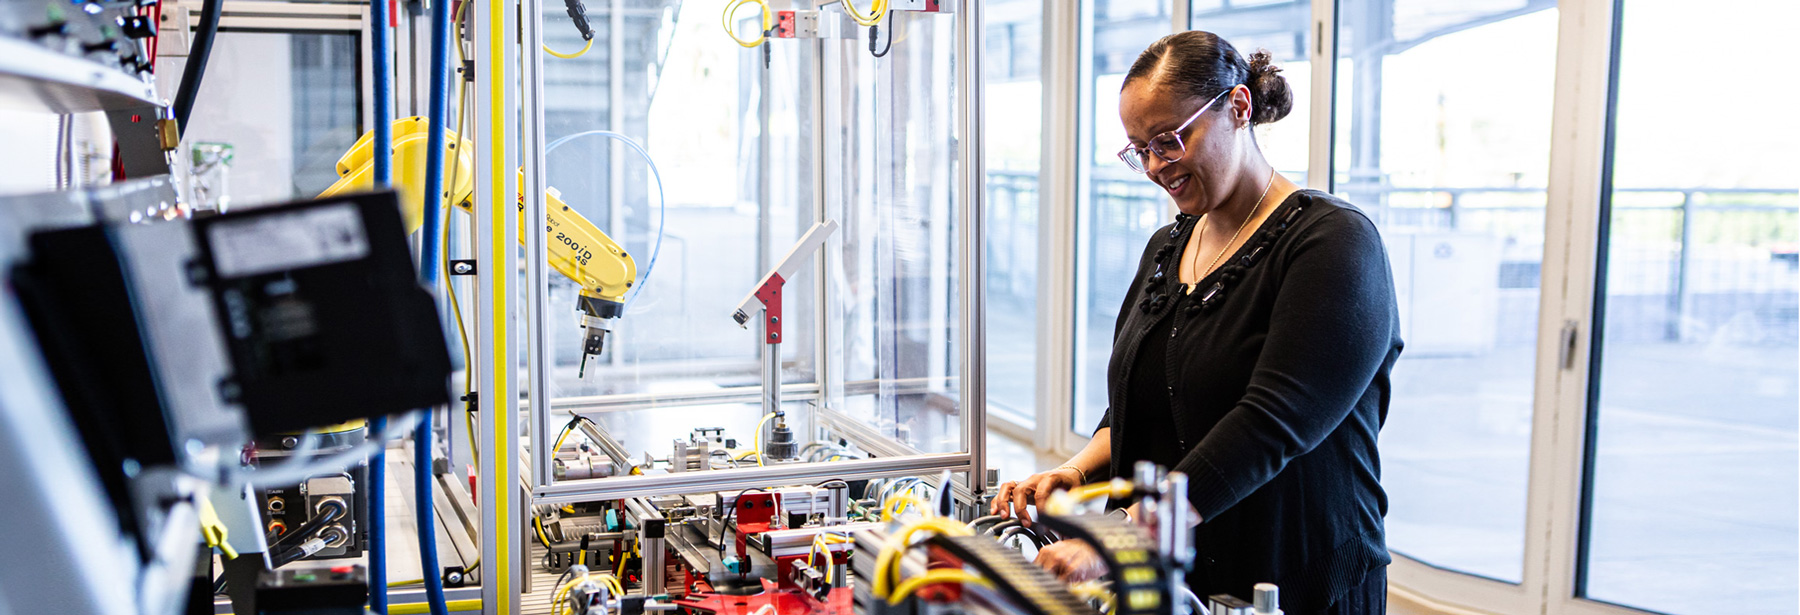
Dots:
pixel 113 34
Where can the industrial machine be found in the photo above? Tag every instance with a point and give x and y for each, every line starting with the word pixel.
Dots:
pixel 183 350
pixel 879 546
pixel 197 391
pixel 577 249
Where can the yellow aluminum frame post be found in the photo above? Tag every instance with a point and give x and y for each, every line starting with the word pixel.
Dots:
pixel 496 231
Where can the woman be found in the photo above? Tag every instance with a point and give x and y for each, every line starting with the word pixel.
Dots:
pixel 1253 349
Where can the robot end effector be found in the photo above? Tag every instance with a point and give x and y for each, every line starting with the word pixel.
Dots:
pixel 596 320
pixel 576 248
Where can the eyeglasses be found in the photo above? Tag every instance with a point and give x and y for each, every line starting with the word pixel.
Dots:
pixel 1167 146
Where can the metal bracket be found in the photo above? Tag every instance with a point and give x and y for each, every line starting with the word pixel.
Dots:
pixel 770 296
pixel 1566 350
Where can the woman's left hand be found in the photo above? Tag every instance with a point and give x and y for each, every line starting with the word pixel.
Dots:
pixel 1072 561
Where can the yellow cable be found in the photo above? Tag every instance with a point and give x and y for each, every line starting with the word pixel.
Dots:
pixel 897 544
pixel 819 545
pixel 611 582
pixel 538 524
pixel 462 330
pixel 1064 502
pixel 560 439
pixel 877 12
pixel 895 503
pixel 1093 590
pixel 941 575
pixel 420 608
pixel 757 447
pixel 570 56
pixel 626 554
pixel 768 21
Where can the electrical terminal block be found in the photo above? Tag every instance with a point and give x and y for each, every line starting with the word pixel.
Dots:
pixel 798 24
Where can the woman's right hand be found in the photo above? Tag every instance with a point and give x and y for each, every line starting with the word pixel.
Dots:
pixel 1035 490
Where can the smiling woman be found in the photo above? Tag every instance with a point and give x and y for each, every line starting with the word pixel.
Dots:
pixel 1263 374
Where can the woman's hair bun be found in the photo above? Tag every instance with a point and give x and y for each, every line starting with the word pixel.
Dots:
pixel 1199 64
pixel 1270 97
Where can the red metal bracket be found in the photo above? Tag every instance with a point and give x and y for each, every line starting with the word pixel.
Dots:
pixel 770 296
pixel 784 24
pixel 755 513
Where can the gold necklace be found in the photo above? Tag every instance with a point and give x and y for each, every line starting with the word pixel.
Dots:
pixel 1240 230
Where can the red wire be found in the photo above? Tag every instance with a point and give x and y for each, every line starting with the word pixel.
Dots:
pixel 155 41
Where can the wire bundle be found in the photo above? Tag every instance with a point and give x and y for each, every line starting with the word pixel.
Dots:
pixel 768 21
pixel 878 11
pixel 565 590
pixel 887 583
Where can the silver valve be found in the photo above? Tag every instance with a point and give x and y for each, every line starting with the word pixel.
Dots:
pixel 1267 600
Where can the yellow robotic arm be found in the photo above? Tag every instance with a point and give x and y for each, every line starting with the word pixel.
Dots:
pixel 577 249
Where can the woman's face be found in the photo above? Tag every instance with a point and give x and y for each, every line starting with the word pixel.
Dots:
pixel 1201 179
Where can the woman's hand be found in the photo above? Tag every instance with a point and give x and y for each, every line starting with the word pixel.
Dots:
pixel 1014 496
pixel 1073 561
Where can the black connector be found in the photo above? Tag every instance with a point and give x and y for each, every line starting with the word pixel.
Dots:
pixel 874 33
pixel 56 28
pixel 578 12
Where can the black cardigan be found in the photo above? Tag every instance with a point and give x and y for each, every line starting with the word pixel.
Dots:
pixel 1278 370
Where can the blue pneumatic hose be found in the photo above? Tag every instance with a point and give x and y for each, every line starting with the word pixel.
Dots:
pixel 377 520
pixel 384 176
pixel 662 199
pixel 428 555
pixel 428 256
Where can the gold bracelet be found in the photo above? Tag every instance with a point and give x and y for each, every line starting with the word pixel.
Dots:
pixel 1078 472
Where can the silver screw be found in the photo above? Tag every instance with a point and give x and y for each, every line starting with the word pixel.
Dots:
pixel 290 442
pixel 455 578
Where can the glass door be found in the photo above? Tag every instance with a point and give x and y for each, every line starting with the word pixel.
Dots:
pixel 1689 496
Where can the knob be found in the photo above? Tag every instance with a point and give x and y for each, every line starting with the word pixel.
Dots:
pixel 138 26
pixel 1268 599
pixel 56 28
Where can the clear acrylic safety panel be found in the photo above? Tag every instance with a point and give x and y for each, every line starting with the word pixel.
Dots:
pixel 892 184
pixel 732 132
pixel 661 73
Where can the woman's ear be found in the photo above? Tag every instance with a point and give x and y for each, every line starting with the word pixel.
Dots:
pixel 1242 109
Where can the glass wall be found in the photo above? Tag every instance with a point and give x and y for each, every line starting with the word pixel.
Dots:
pixel 1117 208
pixel 1446 145
pixel 1692 483
pixel 286 127
pixel 661 73
pixel 1014 124
pixel 891 184
pixel 1284 30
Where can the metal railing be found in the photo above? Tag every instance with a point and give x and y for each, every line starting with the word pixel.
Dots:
pixel 1681 258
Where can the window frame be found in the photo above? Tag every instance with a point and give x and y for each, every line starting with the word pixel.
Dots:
pixel 1585 82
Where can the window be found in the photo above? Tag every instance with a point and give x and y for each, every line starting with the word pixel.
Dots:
pixel 285 128
pixel 1281 28
pixel 1117 208
pixel 1691 484
pixel 890 182
pixel 1445 144
pixel 1013 121
pixel 663 74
